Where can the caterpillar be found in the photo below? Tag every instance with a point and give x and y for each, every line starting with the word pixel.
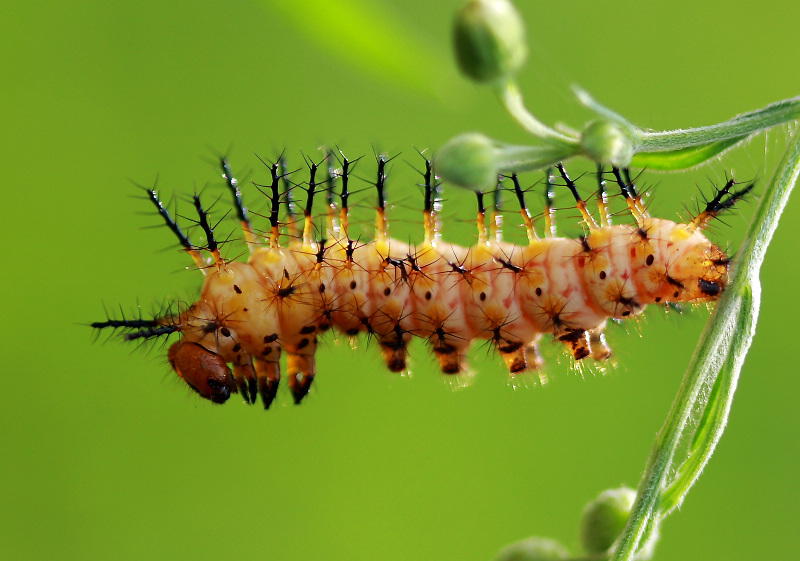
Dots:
pixel 284 297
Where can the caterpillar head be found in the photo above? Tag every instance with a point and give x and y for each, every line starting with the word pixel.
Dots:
pixel 204 371
pixel 699 274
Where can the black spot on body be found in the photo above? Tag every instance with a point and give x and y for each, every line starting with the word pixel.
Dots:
pixel 572 336
pixel 225 332
pixel 709 288
pixel 287 291
pixel 237 347
pixel 482 296
pixel 428 295
pixel 674 282
pixel 237 289
pixel 393 344
pixel 508 346
pixel 649 260
pixel 509 265
pixel 450 367
pixel 602 275
pixel 538 291
pixel 303 343
pixel 353 285
pixel 387 291
pixel 271 338
pixel 581 353
pixel 322 287
pixel 308 329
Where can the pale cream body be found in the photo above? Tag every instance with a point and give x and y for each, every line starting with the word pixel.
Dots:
pixel 282 298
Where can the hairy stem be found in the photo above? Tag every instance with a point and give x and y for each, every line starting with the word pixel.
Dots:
pixel 716 364
pixel 740 126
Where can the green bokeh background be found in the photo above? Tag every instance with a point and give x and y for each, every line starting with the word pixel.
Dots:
pixel 105 456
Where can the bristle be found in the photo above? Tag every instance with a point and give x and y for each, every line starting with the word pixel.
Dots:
pixel 587 218
pixel 483 233
pixel 549 211
pixel 602 198
pixel 723 200
pixel 238 204
pixel 629 193
pixel 308 215
pixel 211 243
pixel 523 210
pixel 380 187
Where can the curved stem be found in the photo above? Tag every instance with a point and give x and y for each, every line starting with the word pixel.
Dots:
pixel 512 100
pixel 718 358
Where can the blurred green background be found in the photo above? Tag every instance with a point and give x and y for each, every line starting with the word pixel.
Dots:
pixel 106 456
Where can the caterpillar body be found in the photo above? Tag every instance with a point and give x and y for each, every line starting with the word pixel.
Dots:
pixel 284 297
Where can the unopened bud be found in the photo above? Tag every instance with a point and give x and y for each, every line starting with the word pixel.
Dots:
pixel 469 161
pixel 605 142
pixel 605 518
pixel 489 40
pixel 533 549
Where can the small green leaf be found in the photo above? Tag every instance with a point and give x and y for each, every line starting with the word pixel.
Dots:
pixel 683 158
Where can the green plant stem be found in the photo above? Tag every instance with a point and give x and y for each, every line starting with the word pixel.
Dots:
pixel 509 94
pixel 516 159
pixel 740 126
pixel 716 364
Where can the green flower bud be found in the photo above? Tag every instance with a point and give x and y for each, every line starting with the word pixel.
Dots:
pixel 489 40
pixel 606 142
pixel 469 161
pixel 533 549
pixel 605 518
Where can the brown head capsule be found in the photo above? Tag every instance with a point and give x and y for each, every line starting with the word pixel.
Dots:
pixel 205 372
